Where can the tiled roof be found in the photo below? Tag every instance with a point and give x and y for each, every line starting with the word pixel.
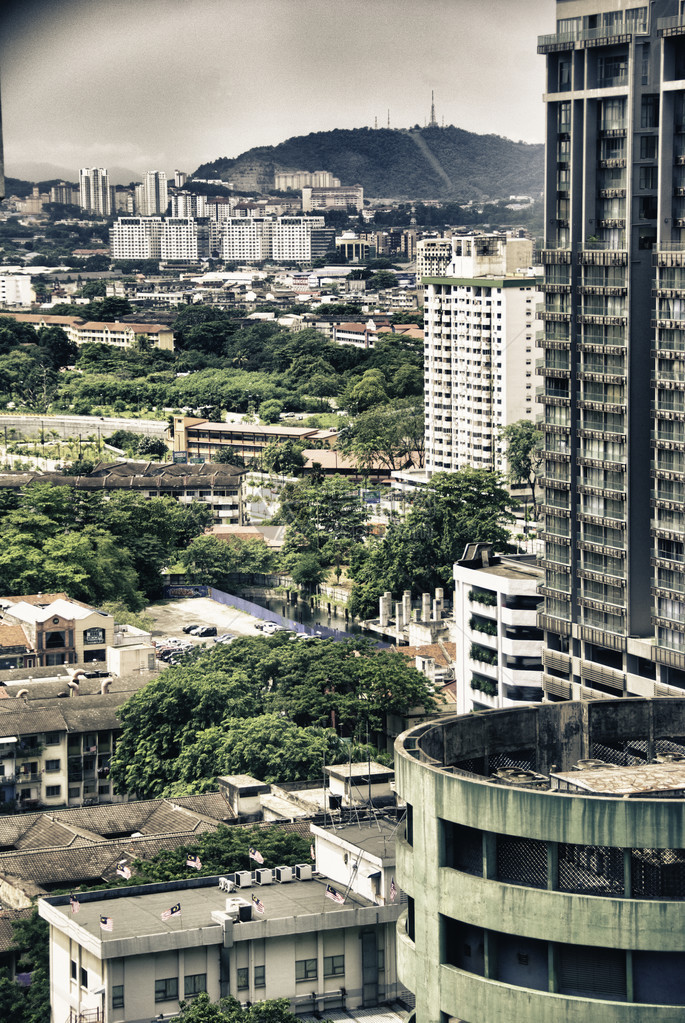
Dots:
pixel 12 636
pixel 7 917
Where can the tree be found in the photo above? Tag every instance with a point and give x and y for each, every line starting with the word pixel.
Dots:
pixel 387 435
pixel 417 553
pixel 382 279
pixel 308 571
pixel 283 459
pixel 270 411
pixel 94 289
pixel 155 447
pixel 524 454
pixel 228 456
pixel 209 560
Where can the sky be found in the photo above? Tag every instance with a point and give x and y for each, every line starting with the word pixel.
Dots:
pixel 165 84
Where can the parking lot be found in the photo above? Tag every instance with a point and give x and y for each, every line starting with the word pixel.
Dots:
pixel 171 616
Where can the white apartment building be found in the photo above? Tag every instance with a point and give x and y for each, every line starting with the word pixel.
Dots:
pixel 180 178
pixel 153 194
pixel 15 290
pixel 187 204
pixel 246 239
pixel 94 190
pixel 433 256
pixel 136 238
pixel 498 658
pixel 184 238
pixel 314 198
pixel 480 326
pixel 283 180
pixel 291 239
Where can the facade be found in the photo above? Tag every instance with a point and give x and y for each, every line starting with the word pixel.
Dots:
pixel 479 355
pixel 246 239
pixel 326 198
pixel 187 204
pixel 498 657
pixel 118 333
pixel 284 180
pixel 614 396
pixel 136 238
pixel 153 196
pixel 15 290
pixel 94 191
pixel 59 630
pixel 319 954
pixel 64 193
pixel 198 438
pixel 254 239
pixel 543 864
pixel 184 238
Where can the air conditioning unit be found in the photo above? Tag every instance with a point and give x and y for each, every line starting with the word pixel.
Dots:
pixel 284 874
pixel 264 875
pixel 239 909
pixel 243 878
pixel 303 871
pixel 232 909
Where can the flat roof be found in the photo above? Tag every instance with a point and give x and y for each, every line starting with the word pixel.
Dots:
pixel 375 837
pixel 136 912
pixel 638 780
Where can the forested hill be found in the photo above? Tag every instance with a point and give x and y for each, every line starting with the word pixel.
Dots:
pixel 418 163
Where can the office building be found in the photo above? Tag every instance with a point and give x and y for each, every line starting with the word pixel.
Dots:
pixel 614 397
pixel 94 191
pixel 543 864
pixel 479 354
pixel 284 180
pixel 152 198
pixel 185 238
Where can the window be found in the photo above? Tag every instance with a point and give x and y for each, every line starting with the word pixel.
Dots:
pixel 243 978
pixel 305 969
pixel 84 977
pixel 648 177
pixel 52 738
pixel 55 639
pixel 52 790
pixel 117 996
pixel 333 966
pixel 52 765
pixel 195 984
pixel 381 960
pixel 73 969
pixel 94 636
pixel 166 990
pixel 260 976
pixel 409 825
pixel 75 793
pixel 648 147
pixel 649 113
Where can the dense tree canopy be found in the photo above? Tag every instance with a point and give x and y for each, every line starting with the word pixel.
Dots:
pixel 191 723
pixel 418 552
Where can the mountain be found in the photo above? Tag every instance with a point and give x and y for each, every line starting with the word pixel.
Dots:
pixel 416 163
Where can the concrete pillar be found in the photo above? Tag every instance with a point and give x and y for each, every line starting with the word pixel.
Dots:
pixel 398 615
pixel 436 611
pixel 383 612
pixel 425 607
pixel 440 600
pixel 406 606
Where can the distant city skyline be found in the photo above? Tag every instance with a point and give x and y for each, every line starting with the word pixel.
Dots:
pixel 162 84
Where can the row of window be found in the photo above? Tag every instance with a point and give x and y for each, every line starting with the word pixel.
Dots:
pixel 166 989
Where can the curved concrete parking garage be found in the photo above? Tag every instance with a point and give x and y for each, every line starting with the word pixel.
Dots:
pixel 544 861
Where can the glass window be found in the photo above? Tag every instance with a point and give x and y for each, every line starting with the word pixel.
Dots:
pixel 52 790
pixel 52 738
pixel 117 996
pixel 52 765
pixel 194 984
pixel 73 969
pixel 333 966
pixel 305 969
pixel 649 112
pixel 243 978
pixel 648 147
pixel 166 990
pixel 94 636
pixel 260 976
pixel 84 977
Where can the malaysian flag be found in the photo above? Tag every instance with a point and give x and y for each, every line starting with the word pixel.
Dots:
pixel 106 923
pixel 258 904
pixel 333 894
pixel 194 861
pixel 74 903
pixel 123 870
pixel 393 889
pixel 255 854
pixel 168 913
pixel 92 749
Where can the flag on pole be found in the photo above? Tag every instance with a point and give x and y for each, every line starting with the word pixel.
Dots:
pixel 123 870
pixel 334 895
pixel 168 913
pixel 393 889
pixel 258 904
pixel 255 854
pixel 194 861
pixel 74 903
pixel 106 923
pixel 312 853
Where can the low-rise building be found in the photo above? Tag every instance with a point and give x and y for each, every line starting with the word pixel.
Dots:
pixel 324 198
pixel 57 630
pixel 132 954
pixel 119 333
pixel 199 438
pixel 15 290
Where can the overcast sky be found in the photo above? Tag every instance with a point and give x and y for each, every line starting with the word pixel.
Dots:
pixel 160 84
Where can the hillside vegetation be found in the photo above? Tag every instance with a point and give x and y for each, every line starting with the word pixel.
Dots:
pixel 417 163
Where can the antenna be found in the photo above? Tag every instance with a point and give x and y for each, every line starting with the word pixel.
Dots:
pixel 375 121
pixel 388 117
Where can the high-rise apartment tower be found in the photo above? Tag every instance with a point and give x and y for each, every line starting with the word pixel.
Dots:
pixel 614 340
pixel 95 194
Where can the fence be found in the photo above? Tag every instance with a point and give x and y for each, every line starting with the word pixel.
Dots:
pixel 266 615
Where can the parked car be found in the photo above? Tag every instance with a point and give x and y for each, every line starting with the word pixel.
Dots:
pixel 226 637
pixel 205 630
pixel 191 628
